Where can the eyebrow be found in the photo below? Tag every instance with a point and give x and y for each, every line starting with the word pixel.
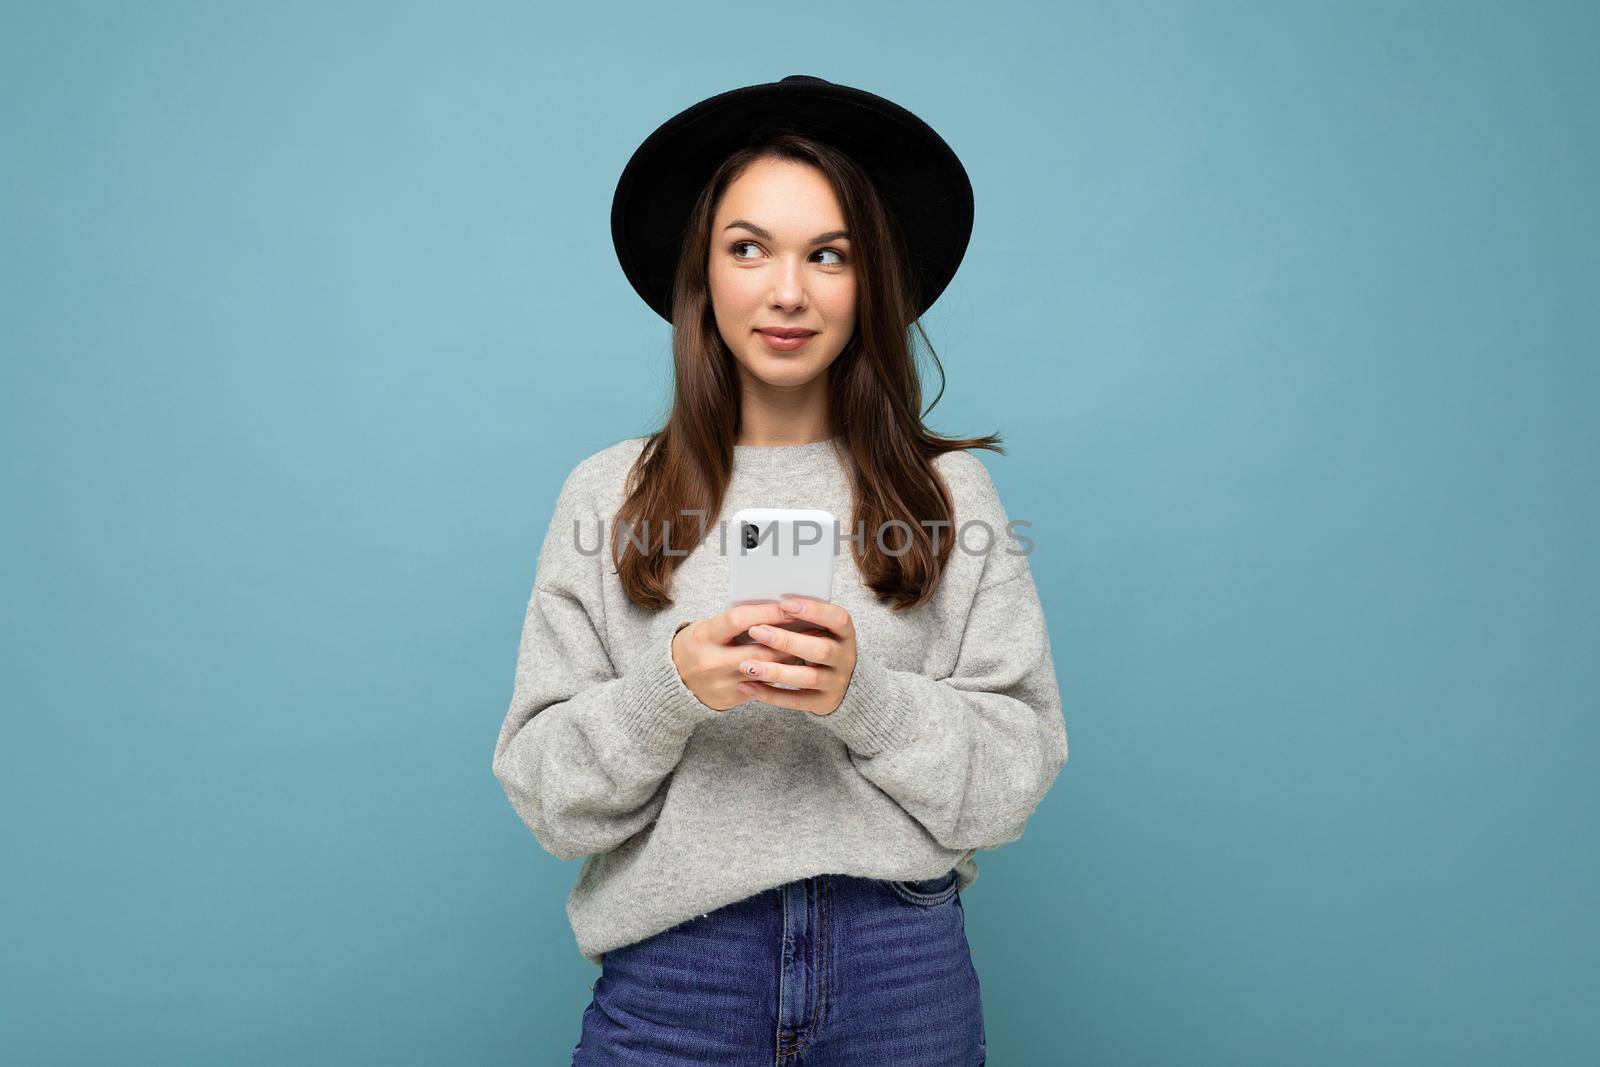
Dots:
pixel 831 235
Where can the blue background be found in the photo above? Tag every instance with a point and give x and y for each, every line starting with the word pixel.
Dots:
pixel 1286 313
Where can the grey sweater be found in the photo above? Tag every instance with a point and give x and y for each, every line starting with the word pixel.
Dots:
pixel 948 737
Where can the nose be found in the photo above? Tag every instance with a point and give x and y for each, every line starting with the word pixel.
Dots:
pixel 788 287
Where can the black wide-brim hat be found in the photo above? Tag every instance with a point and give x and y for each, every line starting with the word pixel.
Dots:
pixel 922 182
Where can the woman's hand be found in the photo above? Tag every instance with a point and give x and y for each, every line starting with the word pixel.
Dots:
pixel 829 654
pixel 710 665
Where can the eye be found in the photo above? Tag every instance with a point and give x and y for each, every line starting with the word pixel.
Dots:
pixel 734 248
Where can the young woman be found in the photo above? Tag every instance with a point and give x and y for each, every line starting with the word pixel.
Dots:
pixel 773 875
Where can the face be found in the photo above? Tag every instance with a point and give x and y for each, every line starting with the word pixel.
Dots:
pixel 779 260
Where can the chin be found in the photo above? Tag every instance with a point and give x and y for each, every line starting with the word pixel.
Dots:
pixel 775 370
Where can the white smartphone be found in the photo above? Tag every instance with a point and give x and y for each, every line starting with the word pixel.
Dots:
pixel 779 552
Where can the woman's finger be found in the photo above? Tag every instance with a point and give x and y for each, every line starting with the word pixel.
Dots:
pixel 832 617
pixel 813 648
pixel 804 676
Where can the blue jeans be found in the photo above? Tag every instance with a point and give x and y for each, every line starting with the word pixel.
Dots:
pixel 827 971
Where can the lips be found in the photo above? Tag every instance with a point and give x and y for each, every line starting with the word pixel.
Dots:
pixel 786 331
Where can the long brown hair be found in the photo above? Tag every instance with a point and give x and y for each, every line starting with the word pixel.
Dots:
pixel 874 393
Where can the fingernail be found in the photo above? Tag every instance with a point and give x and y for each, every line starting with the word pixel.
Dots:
pixel 794 606
pixel 760 631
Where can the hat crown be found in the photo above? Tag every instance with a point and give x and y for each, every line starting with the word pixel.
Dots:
pixel 804 79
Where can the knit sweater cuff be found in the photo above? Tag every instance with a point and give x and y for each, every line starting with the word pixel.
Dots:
pixel 869 719
pixel 659 712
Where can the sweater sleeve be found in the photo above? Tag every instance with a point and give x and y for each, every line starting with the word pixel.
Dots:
pixel 585 750
pixel 970 755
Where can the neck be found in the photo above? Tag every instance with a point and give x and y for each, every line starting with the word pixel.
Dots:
pixel 772 417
